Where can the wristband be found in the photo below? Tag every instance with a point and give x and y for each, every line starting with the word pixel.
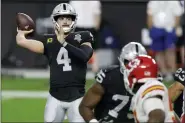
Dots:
pixel 93 121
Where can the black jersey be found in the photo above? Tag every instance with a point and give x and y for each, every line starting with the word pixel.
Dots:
pixel 116 100
pixel 180 75
pixel 67 73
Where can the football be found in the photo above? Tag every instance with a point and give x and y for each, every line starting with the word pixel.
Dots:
pixel 24 22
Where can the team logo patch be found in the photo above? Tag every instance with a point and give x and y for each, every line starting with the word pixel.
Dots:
pixel 49 40
pixel 78 37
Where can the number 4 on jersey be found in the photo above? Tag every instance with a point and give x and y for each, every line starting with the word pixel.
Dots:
pixel 63 58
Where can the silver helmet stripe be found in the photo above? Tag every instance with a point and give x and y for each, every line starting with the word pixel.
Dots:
pixel 137 50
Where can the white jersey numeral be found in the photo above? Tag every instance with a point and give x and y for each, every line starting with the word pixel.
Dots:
pixel 124 100
pixel 100 76
pixel 63 58
pixel 180 73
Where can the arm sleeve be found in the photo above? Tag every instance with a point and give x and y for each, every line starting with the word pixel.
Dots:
pixel 83 53
pixel 151 104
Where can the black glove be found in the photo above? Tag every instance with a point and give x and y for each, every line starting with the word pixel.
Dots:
pixel 180 76
pixel 107 119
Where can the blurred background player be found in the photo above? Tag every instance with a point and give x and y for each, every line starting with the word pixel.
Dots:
pixel 89 19
pixel 180 31
pixel 150 102
pixel 177 88
pixel 68 54
pixel 106 100
pixel 163 20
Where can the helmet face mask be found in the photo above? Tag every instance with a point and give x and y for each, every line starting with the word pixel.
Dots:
pixel 65 10
pixel 129 52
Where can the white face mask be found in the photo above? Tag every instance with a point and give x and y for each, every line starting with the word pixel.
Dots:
pixel 126 82
pixel 66 29
pixel 70 28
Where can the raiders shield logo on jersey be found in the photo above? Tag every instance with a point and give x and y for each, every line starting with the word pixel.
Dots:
pixel 78 37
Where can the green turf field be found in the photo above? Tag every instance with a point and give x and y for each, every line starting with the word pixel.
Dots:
pixel 23 110
pixel 28 84
pixel 26 109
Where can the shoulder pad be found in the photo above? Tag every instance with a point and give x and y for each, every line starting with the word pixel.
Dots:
pixel 151 89
pixel 101 75
pixel 86 36
pixel 180 76
pixel 109 69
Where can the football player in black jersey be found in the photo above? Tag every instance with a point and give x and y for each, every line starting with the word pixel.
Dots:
pixel 107 100
pixel 68 53
pixel 177 88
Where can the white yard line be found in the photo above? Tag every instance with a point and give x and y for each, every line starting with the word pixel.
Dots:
pixel 24 94
pixel 7 95
pixel 35 73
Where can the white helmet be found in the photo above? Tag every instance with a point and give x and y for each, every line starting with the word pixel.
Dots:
pixel 129 52
pixel 64 9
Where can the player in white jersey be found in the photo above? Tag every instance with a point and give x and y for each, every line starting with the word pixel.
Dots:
pixel 150 102
pixel 177 88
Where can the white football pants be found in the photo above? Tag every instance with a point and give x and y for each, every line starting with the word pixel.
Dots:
pixel 55 110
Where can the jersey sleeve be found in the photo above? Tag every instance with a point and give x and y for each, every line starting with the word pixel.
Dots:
pixel 101 77
pixel 47 41
pixel 87 37
pixel 104 76
pixel 180 76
